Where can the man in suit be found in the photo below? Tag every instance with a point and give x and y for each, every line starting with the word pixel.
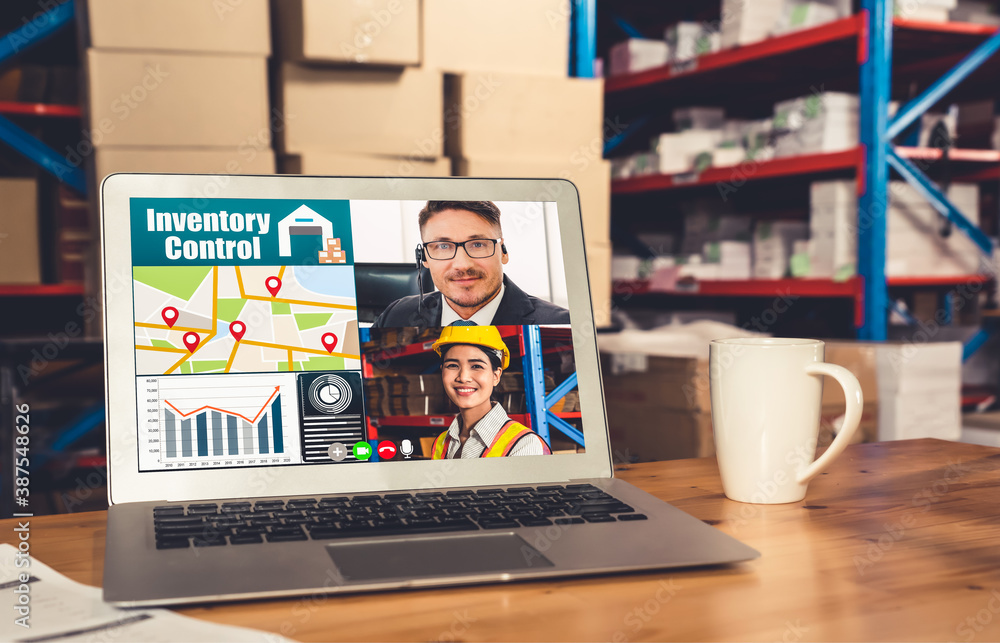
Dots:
pixel 464 251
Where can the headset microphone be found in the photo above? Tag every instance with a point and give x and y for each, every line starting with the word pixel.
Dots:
pixel 503 247
pixel 419 253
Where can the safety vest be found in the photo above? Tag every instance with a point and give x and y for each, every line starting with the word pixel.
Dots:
pixel 502 444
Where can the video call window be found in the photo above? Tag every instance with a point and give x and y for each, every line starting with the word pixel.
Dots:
pixel 284 332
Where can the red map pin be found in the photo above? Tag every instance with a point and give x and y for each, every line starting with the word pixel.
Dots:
pixel 329 342
pixel 273 285
pixel 237 328
pixel 191 340
pixel 169 315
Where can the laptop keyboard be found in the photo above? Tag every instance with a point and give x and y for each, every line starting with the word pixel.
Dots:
pixel 248 522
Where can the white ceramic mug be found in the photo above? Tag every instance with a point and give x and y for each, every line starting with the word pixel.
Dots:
pixel 766 398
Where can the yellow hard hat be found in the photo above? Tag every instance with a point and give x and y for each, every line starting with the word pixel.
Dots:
pixel 485 336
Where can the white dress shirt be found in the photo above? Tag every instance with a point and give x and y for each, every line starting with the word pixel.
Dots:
pixel 482 317
pixel 481 436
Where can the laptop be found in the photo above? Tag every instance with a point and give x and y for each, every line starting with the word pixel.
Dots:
pixel 264 442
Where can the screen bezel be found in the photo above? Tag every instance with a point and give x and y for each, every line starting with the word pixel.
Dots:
pixel 127 484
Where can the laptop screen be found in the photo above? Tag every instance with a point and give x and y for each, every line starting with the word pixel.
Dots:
pixel 280 332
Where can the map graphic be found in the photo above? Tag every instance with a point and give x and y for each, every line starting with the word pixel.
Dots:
pixel 244 319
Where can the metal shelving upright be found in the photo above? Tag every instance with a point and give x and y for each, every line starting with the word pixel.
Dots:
pixel 872 28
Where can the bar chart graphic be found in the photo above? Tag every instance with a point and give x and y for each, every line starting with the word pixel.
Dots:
pixel 220 421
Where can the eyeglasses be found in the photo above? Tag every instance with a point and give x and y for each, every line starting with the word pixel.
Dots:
pixel 475 248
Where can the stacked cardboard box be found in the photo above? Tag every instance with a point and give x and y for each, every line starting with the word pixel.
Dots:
pixel 178 86
pixel 860 359
pixel 334 253
pixel 511 111
pixel 658 407
pixel 20 260
pixel 357 100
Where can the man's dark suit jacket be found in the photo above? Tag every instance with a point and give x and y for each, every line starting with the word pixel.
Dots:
pixel 516 308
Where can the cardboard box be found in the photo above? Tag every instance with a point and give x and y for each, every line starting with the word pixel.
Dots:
pixel 515 116
pixel 334 164
pixel 385 32
pixel 178 100
pixel 667 434
pixel 20 251
pixel 109 160
pixel 679 383
pixel 514 36
pixel 859 358
pixel 592 178
pixel 832 418
pixel 387 112
pixel 241 27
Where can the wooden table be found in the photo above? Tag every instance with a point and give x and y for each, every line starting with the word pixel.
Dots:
pixel 898 541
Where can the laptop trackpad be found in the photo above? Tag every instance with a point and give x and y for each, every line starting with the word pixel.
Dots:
pixel 449 555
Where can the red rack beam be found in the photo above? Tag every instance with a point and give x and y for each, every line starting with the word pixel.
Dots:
pixel 749 170
pixel 43 290
pixel 843 29
pixel 40 109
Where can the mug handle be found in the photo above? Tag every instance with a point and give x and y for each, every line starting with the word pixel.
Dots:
pixel 852 416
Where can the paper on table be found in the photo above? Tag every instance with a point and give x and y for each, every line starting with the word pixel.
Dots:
pixel 65 610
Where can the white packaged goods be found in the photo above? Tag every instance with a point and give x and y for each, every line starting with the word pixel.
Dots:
pixel 926 10
pixel 976 11
pixel 637 54
pixel 699 118
pixel 625 267
pixel 799 14
pixel 919 389
pixel 915 246
pixel 748 21
pixel 773 246
pixel 678 151
pixel 822 122
pixel 689 40
pixel 727 156
pixel 733 258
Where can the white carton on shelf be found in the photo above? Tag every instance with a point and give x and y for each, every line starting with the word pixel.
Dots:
pixel 744 22
pixel 733 258
pixel 822 122
pixel 728 156
pixel 773 246
pixel 625 267
pixel 802 14
pixel 637 54
pixel 915 245
pixel 919 389
pixel 691 39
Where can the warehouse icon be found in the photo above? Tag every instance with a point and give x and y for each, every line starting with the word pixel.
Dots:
pixel 303 221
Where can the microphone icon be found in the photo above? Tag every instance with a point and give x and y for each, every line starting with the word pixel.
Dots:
pixel 406 447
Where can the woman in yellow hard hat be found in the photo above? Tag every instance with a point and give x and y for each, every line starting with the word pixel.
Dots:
pixel 472 360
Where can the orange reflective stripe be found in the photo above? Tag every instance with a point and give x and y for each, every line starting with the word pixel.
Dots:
pixel 439 450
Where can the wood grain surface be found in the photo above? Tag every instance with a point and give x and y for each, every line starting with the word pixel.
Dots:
pixel 898 541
